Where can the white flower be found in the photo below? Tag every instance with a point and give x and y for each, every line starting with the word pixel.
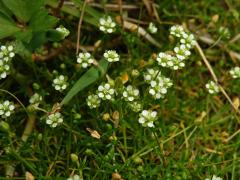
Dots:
pixel 85 59
pixel 6 108
pixel 158 87
pixel 177 64
pixel 130 93
pixel 147 118
pixel 105 92
pixel 176 30
pixel 167 60
pixel 111 56
pixel 6 55
pixel 60 83
pixel 35 99
pixel 135 106
pixel 224 32
pixel 152 28
pixel 64 31
pixel 151 74
pixel 212 87
pixel 235 72
pixel 164 60
pixel 75 177
pixel 188 40
pixel 4 68
pixel 54 119
pixel 93 101
pixel 182 52
pixel 6 52
pixel 107 25
pixel 214 178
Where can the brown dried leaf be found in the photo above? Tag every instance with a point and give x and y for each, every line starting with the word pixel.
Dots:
pixel 29 176
pixel 236 103
pixel 116 176
pixel 124 77
pixel 94 133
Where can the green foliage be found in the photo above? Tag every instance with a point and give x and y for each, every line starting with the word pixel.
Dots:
pixel 87 79
pixel 32 25
pixel 196 135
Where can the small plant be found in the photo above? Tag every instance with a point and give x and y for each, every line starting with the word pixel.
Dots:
pixel 85 59
pixel 119 90
pixel 54 119
pixel 6 108
pixel 107 25
pixel 212 87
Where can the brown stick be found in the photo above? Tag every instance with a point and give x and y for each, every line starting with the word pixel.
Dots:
pixel 79 25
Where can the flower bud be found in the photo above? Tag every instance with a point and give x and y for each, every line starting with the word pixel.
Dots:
pixel 74 157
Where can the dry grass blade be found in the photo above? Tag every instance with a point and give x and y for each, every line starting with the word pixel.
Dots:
pixel 147 3
pixel 79 25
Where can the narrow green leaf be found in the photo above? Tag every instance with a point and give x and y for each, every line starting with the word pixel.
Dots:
pixel 54 35
pixel 88 78
pixel 75 12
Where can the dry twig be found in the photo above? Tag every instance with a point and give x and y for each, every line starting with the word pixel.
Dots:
pixel 80 24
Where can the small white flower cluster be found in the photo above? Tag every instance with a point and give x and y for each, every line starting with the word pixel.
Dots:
pixel 224 32
pixel 60 83
pixel 64 31
pixel 54 119
pixel 159 87
pixel 135 106
pixel 235 72
pixel 167 60
pixel 150 75
pixel 214 178
pixel 6 55
pixel 182 51
pixel 6 108
pixel 75 177
pixel 187 39
pixel 106 92
pixel 93 101
pixel 212 87
pixel 147 117
pixel 176 31
pixel 107 25
pixel 85 59
pixel 35 99
pixel 152 28
pixel 158 83
pixel 130 93
pixel 111 56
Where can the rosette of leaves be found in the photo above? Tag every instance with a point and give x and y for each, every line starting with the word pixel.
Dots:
pixel 29 22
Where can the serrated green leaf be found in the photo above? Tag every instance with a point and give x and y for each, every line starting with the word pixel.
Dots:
pixel 5 10
pixel 41 21
pixel 23 9
pixel 24 36
pixel 88 78
pixel 7 28
pixel 38 39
